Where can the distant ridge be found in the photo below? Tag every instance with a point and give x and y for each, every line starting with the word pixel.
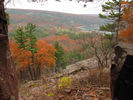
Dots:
pixel 50 19
pixel 43 11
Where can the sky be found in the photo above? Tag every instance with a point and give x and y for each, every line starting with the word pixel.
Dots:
pixel 64 6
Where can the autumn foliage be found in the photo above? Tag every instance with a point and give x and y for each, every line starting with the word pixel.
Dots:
pixel 65 41
pixel 126 33
pixel 44 56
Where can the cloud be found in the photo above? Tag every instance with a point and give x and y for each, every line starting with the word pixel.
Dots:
pixel 64 6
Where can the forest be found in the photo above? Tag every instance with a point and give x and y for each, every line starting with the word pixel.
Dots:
pixel 44 44
pixel 45 19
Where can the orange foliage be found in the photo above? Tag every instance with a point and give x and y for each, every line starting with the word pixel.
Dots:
pixel 64 40
pixel 126 34
pixel 20 55
pixel 44 56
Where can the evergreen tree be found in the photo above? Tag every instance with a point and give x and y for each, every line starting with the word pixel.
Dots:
pixel 59 54
pixel 30 29
pixel 75 54
pixel 114 17
pixel 21 40
pixel 20 37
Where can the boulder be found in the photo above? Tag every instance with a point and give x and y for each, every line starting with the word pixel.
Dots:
pixel 122 72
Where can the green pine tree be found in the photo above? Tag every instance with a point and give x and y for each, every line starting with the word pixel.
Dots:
pixel 30 29
pixel 114 17
pixel 20 38
pixel 59 54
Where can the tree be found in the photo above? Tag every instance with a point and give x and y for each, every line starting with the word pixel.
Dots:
pixel 8 78
pixel 44 57
pixel 126 34
pixel 30 29
pixel 75 56
pixel 100 45
pixel 108 41
pixel 22 56
pixel 6 61
pixel 59 54
pixel 20 37
pixel 115 12
pixel 21 40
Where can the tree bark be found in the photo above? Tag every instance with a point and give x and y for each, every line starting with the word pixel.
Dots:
pixel 8 77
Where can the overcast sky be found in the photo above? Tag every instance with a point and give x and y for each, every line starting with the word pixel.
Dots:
pixel 64 6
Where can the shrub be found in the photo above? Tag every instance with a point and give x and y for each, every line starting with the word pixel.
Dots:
pixel 65 82
pixel 50 94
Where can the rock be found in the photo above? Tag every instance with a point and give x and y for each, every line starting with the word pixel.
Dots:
pixel 31 98
pixel 60 96
pixel 101 97
pixel 96 99
pixel 21 99
pixel 53 81
pixel 25 98
pixel 48 98
pixel 71 98
pixel 88 98
pixel 36 94
pixel 107 99
pixel 91 95
pixel 47 91
pixel 34 89
pixel 79 93
pixel 85 96
pixel 67 90
pixel 19 96
pixel 78 99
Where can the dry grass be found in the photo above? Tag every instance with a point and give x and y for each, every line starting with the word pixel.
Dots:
pixel 93 77
pixel 99 77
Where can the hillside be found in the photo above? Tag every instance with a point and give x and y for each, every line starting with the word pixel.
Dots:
pixel 63 66
pixel 86 84
pixel 49 19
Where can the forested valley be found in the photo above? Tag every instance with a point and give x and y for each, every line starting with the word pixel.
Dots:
pixel 56 60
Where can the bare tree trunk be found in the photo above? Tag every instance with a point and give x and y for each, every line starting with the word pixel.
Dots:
pixel 30 71
pixel 8 77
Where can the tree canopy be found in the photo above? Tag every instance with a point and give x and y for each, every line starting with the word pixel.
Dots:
pixel 126 33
